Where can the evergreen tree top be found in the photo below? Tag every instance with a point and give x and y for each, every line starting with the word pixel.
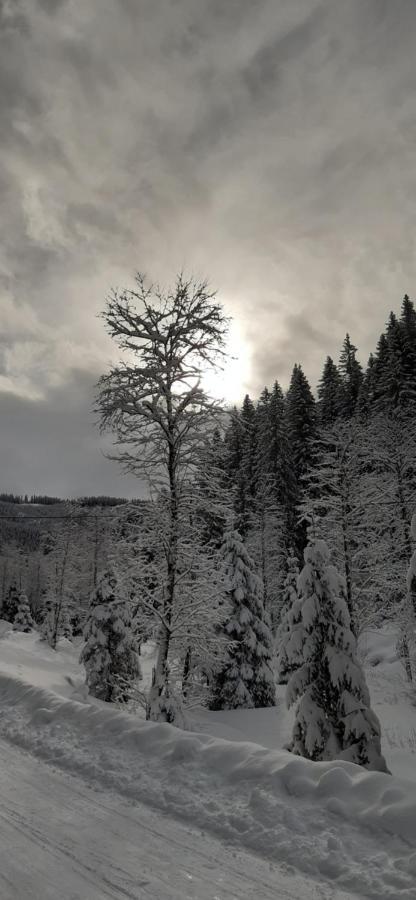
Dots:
pixel 248 410
pixel 348 364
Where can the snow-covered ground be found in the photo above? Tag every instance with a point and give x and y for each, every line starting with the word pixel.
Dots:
pixel 61 840
pixel 346 829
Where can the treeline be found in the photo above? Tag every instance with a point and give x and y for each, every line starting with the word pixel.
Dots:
pixel 45 500
pixel 344 464
pixel 42 499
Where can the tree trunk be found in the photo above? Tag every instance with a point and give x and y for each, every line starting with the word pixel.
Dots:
pixel 160 687
pixel 347 554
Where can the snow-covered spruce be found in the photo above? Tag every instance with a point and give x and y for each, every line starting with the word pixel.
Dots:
pixel 23 619
pixel 110 653
pixel 10 603
pixel 245 678
pixel 333 717
pixel 288 618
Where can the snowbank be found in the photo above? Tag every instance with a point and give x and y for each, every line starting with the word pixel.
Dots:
pixel 280 806
pixel 331 820
pixel 27 657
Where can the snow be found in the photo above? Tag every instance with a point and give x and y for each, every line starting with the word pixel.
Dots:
pixel 90 845
pixel 336 823
pixel 393 700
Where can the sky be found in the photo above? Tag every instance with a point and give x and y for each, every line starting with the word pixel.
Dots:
pixel 266 145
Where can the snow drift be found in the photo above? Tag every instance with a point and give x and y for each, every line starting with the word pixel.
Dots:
pixel 240 791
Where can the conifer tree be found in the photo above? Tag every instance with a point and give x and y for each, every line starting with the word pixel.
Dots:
pixel 381 366
pixel 301 417
pixel 392 384
pixel 366 397
pixel 233 443
pixel 265 543
pixel 214 489
pixel 333 717
pixel 10 603
pixel 273 462
pixel 333 500
pixel 245 678
pixel 395 362
pixel 330 394
pixel 301 421
pixel 408 327
pixel 246 474
pixel 23 619
pixel 351 375
pixel 288 617
pixel 110 653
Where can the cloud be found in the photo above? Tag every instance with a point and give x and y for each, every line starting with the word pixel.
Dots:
pixel 51 444
pixel 266 145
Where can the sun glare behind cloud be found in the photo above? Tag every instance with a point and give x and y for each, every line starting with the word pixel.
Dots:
pixel 230 383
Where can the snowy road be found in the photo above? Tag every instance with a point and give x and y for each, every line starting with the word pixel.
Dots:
pixel 60 840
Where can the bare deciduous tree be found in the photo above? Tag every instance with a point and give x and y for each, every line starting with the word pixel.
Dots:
pixel 155 405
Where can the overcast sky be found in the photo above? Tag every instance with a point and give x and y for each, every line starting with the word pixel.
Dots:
pixel 268 145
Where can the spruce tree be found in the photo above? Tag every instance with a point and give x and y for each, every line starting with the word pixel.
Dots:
pixel 214 489
pixel 351 375
pixel 233 443
pixel 408 329
pixel 366 397
pixel 333 717
pixel 23 619
pixel 110 653
pixel 246 475
pixel 11 603
pixel 301 421
pixel 330 394
pixel 288 617
pixel 273 463
pixel 380 374
pixel 301 418
pixel 245 678
pixel 394 377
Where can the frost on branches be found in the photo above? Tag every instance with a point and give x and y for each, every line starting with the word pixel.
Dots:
pixel 154 405
pixel 245 678
pixel 23 619
pixel 109 655
pixel 56 621
pixel 333 717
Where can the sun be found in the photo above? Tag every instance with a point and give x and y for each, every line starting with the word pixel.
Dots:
pixel 230 383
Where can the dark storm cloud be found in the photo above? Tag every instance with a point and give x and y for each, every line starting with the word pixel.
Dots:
pixel 269 146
